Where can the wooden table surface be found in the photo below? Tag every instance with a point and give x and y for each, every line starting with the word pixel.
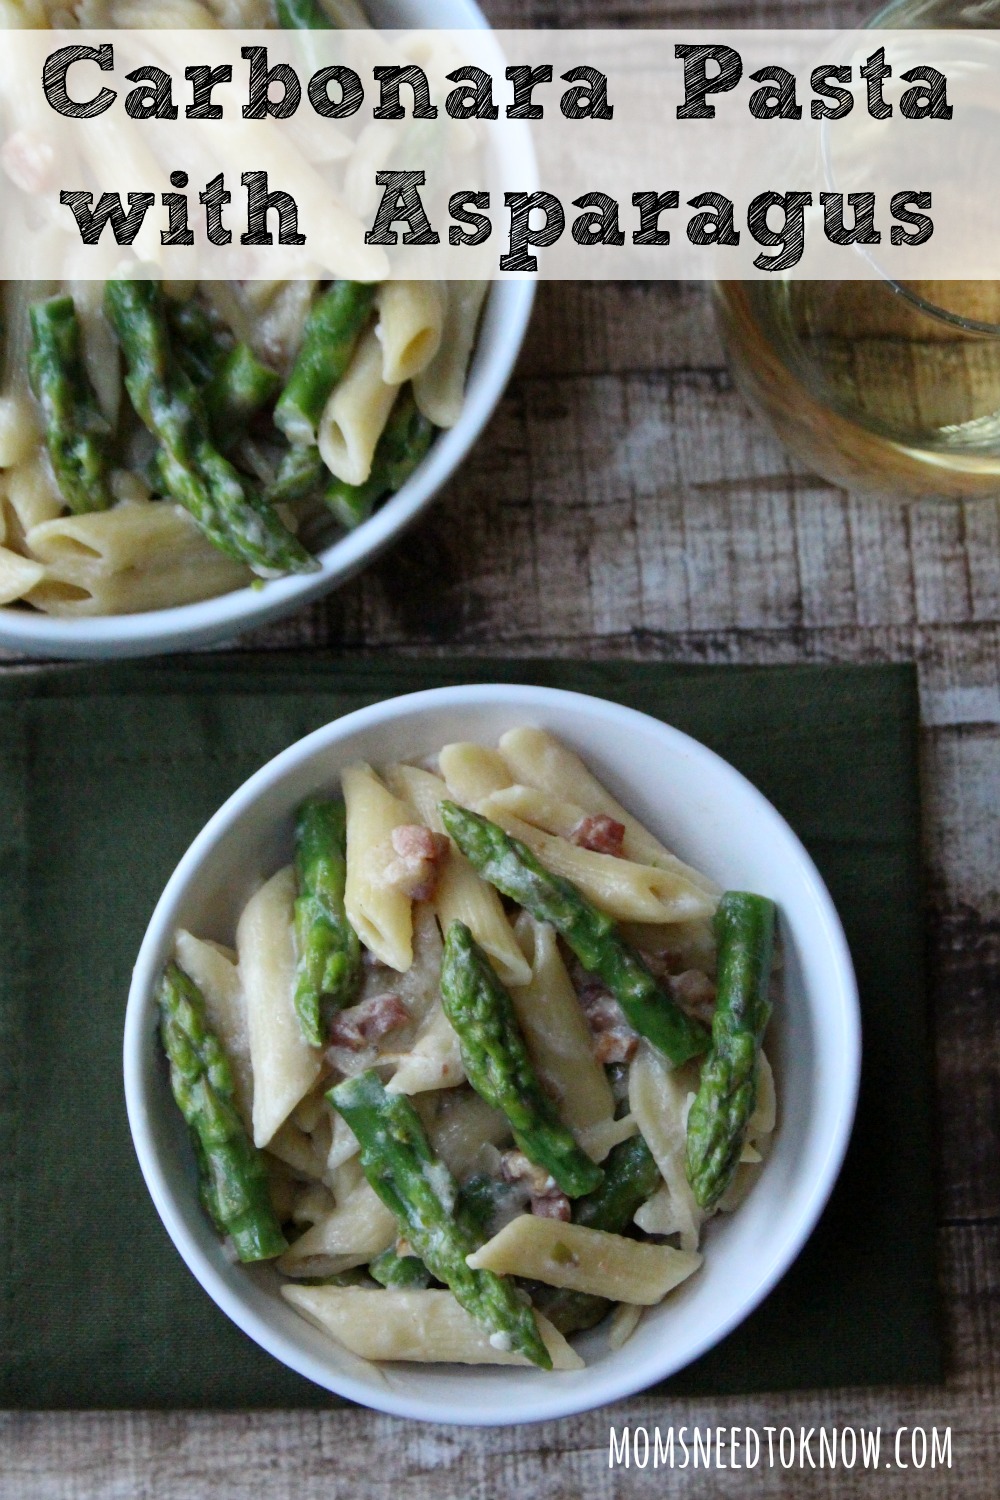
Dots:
pixel 624 503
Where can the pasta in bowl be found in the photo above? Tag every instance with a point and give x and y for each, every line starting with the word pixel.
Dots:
pixel 180 460
pixel 467 1073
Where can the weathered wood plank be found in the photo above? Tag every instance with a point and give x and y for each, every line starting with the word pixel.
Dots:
pixel 601 328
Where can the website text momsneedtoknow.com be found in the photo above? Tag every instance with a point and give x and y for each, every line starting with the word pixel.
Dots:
pixel 749 1448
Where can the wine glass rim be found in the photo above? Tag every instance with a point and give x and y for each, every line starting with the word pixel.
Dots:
pixel 882 20
pixel 942 314
pixel 879 21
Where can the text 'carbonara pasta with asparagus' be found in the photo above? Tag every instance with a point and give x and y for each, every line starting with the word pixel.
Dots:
pixel 483 1060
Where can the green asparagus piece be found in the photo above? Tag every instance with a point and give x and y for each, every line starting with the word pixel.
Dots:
pixel 241 386
pixel 630 1177
pixel 329 966
pixel 499 1068
pixel 234 383
pixel 300 473
pixel 727 1093
pixel 408 1271
pixel 593 936
pixel 232 1175
pixel 303 15
pixel 408 435
pixel 77 435
pixel 194 472
pixel 307 17
pixel 479 1197
pixel 398 1161
pixel 200 340
pixel 332 330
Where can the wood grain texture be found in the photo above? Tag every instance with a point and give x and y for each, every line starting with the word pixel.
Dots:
pixel 625 504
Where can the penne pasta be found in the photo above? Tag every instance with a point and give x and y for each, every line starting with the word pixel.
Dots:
pixel 295 1150
pixel 627 891
pixel 585 1260
pixel 433 1062
pixel 356 413
pixel 439 388
pixel 380 914
pixel 310 1110
pixel 284 1066
pixel 19 431
pixel 18 575
pixel 459 1124
pixel 349 1236
pixel 538 759
pixel 461 896
pixel 311 1203
pixel 425 1326
pixel 557 1034
pixel 132 557
pixel 100 351
pixel 32 494
pixel 277 330
pixel 624 1322
pixel 659 1098
pixel 409 327
pixel 690 944
pixel 343 1146
pixel 598 1139
pixel 472 772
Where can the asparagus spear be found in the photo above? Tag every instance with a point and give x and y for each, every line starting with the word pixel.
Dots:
pixel 300 473
pixel 402 446
pixel 303 15
pixel 193 471
pixel 407 1271
pixel 234 383
pixel 232 1175
pixel 306 16
pixel 630 1177
pixel 76 432
pixel 398 1161
pixel 593 936
pixel 199 339
pixel 479 1197
pixel 241 386
pixel 331 332
pixel 499 1068
pixel 727 1093
pixel 329 965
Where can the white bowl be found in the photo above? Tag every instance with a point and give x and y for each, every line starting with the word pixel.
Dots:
pixel 700 806
pixel 505 319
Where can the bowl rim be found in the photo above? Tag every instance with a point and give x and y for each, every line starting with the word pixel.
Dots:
pixel 550 1402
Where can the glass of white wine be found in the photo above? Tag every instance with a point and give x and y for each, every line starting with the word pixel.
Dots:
pixel 881 386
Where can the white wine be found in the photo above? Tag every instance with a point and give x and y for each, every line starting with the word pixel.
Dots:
pixel 881 388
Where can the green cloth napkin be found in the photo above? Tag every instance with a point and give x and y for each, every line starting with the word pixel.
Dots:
pixel 106 774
